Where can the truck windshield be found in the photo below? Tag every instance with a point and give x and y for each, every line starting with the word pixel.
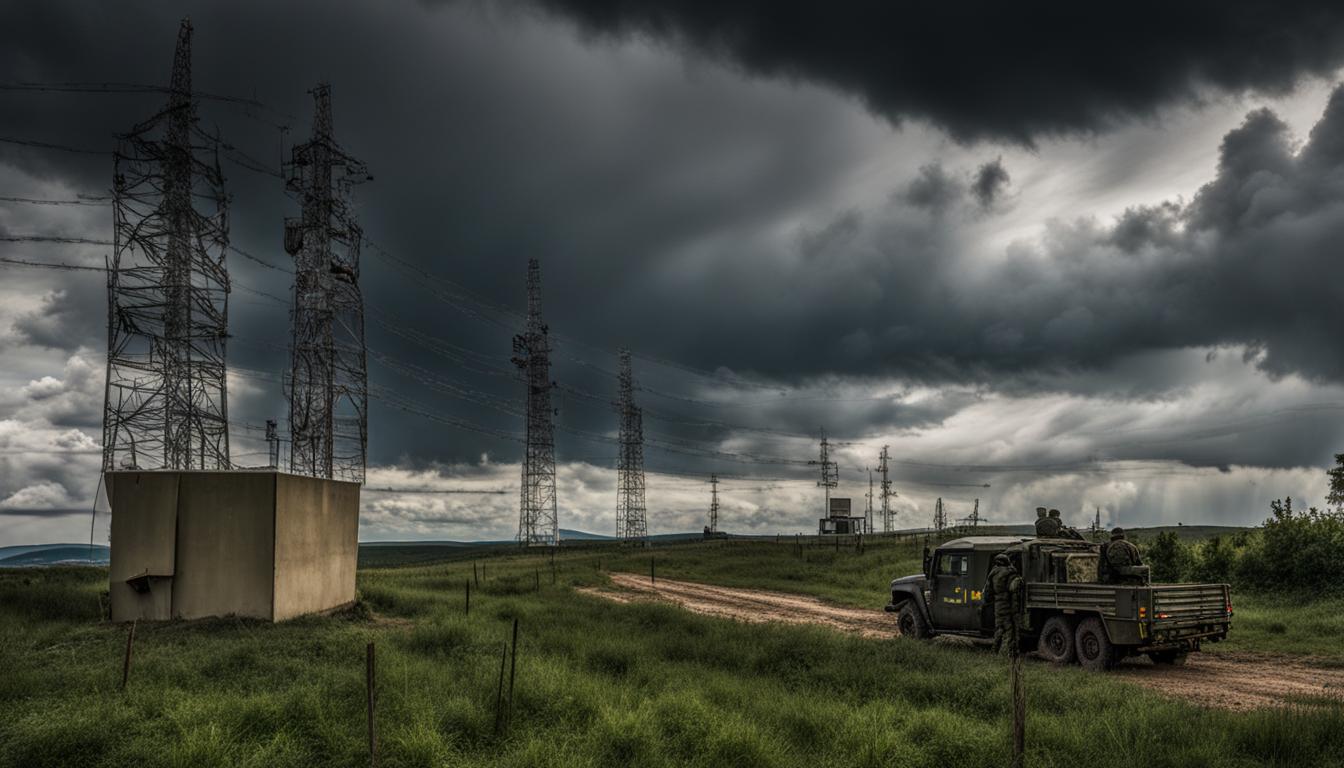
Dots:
pixel 954 565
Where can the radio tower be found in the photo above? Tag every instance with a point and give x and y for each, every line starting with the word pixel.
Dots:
pixel 868 513
pixel 939 516
pixel 165 405
pixel 713 504
pixel 537 523
pixel 887 516
pixel 328 384
pixel 830 473
pixel 631 522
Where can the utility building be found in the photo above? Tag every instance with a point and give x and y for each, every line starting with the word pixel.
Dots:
pixel 261 544
pixel 840 521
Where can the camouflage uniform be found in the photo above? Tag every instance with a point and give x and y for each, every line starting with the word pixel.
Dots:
pixel 1046 527
pixel 1004 592
pixel 1121 557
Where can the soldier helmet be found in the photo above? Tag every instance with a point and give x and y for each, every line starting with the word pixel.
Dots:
pixel 1117 533
pixel 1040 511
pixel 1054 513
pixel 1002 559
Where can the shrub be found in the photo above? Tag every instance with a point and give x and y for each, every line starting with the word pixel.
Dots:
pixel 1167 558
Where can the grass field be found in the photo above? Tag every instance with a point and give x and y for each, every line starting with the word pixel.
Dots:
pixel 598 684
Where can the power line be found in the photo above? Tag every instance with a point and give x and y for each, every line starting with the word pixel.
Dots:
pixel 472 491
pixel 98 201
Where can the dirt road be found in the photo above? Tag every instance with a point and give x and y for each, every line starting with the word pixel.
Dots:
pixel 1232 680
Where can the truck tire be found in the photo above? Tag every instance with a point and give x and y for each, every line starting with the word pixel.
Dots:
pixel 1057 643
pixel 1169 658
pixel 1093 647
pixel 911 623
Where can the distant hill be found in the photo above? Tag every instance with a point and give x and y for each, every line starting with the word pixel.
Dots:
pixel 53 554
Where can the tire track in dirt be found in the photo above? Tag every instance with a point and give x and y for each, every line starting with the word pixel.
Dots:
pixel 1240 680
pixel 750 605
pixel 1231 680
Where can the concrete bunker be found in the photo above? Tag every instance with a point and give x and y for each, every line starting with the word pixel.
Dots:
pixel 262 544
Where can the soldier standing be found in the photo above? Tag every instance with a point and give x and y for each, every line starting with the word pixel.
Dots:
pixel 1046 528
pixel 1122 560
pixel 1003 592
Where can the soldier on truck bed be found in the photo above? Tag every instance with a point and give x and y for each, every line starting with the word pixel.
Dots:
pixel 1003 592
pixel 1065 531
pixel 1121 563
pixel 1046 527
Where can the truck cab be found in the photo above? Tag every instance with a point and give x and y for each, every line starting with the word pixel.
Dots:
pixel 1067 612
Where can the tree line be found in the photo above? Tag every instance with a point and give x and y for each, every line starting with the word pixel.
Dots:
pixel 1294 550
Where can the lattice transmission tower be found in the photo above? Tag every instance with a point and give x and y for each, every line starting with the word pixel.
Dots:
pixel 537 522
pixel 165 404
pixel 939 516
pixel 888 516
pixel 713 504
pixel 631 518
pixel 328 381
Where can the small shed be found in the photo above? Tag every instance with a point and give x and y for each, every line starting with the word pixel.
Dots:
pixel 840 521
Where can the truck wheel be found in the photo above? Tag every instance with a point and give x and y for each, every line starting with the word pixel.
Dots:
pixel 1169 658
pixel 911 623
pixel 1094 648
pixel 1056 644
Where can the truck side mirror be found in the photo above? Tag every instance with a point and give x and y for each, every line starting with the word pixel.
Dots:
pixel 928 563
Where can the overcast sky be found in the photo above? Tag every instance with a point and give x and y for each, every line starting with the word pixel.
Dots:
pixel 1083 261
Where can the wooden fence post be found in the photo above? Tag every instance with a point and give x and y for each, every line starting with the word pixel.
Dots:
pixel 1019 712
pixel 499 691
pixel 513 668
pixel 474 576
pixel 653 581
pixel 126 662
pixel 467 609
pixel 369 681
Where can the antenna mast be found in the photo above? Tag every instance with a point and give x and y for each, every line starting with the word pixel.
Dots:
pixel 887 514
pixel 830 473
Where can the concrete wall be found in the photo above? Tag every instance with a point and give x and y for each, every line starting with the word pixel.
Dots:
pixel 259 544
pixel 316 544
pixel 225 545
pixel 144 535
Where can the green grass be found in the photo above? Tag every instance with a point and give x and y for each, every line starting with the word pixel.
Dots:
pixel 1278 624
pixel 598 684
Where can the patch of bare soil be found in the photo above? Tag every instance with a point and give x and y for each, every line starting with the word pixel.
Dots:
pixel 1238 681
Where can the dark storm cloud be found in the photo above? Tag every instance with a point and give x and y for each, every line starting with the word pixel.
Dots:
pixel 990 181
pixel 994 70
pixel 933 189
pixel 63 320
pixel 688 215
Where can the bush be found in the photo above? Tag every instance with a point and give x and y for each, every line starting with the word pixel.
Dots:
pixel 1167 558
pixel 1295 551
pixel 1213 561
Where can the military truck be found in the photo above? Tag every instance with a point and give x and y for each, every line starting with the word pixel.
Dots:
pixel 1067 614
